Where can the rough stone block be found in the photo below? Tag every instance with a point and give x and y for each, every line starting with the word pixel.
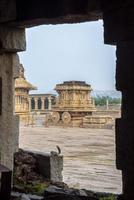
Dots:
pixel 12 39
pixel 55 193
pixel 56 164
pixel 49 166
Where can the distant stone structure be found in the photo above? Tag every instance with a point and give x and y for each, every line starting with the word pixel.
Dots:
pixel 26 105
pixel 73 103
pixel 22 88
pixel 73 107
pixel 41 103
pixel 74 95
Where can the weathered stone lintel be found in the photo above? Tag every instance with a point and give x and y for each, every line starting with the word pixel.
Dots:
pixel 56 12
pixel 12 39
pixel 36 12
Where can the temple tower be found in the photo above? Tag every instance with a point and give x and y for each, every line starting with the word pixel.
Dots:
pixel 22 88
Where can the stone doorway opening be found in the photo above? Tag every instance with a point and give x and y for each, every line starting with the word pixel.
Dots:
pixel 95 138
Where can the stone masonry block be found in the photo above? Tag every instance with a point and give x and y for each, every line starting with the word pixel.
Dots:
pixel 12 39
pixel 56 164
pixel 49 165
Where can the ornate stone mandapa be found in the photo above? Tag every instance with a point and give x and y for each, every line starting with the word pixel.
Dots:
pixel 73 103
pixel 74 96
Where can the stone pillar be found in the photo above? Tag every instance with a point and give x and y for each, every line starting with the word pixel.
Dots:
pixel 107 104
pixel 125 125
pixel 8 122
pixel 30 105
pixel 36 104
pixel 43 105
pixel 49 103
pixel 12 40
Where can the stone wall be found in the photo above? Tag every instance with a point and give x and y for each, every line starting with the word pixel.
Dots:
pixel 35 166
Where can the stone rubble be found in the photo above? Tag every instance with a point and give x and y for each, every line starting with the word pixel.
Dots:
pixel 21 196
pixel 57 193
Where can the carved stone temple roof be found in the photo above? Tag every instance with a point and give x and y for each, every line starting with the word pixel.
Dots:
pixel 73 85
pixel 21 81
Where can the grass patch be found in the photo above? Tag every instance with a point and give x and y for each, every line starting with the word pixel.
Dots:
pixel 111 197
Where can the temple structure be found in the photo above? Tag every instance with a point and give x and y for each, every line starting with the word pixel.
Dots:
pixel 75 108
pixel 28 105
pixel 74 96
pixel 22 88
pixel 73 103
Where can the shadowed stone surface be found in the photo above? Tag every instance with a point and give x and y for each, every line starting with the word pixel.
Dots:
pixel 12 39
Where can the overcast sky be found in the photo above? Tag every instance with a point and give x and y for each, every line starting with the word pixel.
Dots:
pixel 57 53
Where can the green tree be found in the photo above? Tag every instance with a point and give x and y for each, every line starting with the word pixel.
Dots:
pixel 102 100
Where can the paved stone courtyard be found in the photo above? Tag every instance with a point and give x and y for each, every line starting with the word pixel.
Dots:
pixel 89 154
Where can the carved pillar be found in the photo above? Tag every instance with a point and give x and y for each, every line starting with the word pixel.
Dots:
pixel 12 40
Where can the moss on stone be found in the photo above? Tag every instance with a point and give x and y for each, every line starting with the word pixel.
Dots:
pixel 36 188
pixel 111 197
